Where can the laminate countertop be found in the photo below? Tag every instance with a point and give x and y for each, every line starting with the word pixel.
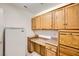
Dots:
pixel 43 41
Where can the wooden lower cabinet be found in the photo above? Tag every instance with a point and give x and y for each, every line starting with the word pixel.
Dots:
pixel 66 38
pixel 30 46
pixel 42 50
pixel 68 51
pixel 50 53
pixel 69 43
pixel 75 41
pixel 70 39
pixel 62 54
pixel 51 50
pixel 37 48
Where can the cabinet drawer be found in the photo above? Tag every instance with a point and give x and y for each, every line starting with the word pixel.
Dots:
pixel 50 53
pixel 69 51
pixel 51 47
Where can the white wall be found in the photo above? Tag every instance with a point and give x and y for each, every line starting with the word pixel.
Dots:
pixel 16 17
pixel 1 30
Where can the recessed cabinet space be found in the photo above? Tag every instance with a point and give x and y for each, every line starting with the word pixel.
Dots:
pixel 59 18
pixel 72 16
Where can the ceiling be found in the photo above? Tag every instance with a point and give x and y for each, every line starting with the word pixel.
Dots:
pixel 35 7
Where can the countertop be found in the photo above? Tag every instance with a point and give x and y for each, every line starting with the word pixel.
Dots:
pixel 43 41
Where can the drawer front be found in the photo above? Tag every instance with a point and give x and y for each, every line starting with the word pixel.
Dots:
pixel 53 48
pixel 50 53
pixel 69 51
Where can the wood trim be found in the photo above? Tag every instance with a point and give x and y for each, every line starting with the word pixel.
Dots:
pixel 55 29
pixel 68 32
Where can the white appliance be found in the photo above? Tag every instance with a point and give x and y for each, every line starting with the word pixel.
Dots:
pixel 14 42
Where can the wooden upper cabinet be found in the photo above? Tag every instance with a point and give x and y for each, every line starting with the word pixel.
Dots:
pixel 59 18
pixel 42 21
pixel 33 23
pixel 72 16
pixel 62 18
pixel 38 22
pixel 46 20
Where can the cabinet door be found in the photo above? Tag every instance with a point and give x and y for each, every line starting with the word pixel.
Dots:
pixel 67 51
pixel 38 22
pixel 42 52
pixel 30 46
pixel 75 41
pixel 46 20
pixel 37 48
pixel 72 16
pixel 43 21
pixel 66 38
pixel 33 23
pixel 59 18
pixel 50 53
